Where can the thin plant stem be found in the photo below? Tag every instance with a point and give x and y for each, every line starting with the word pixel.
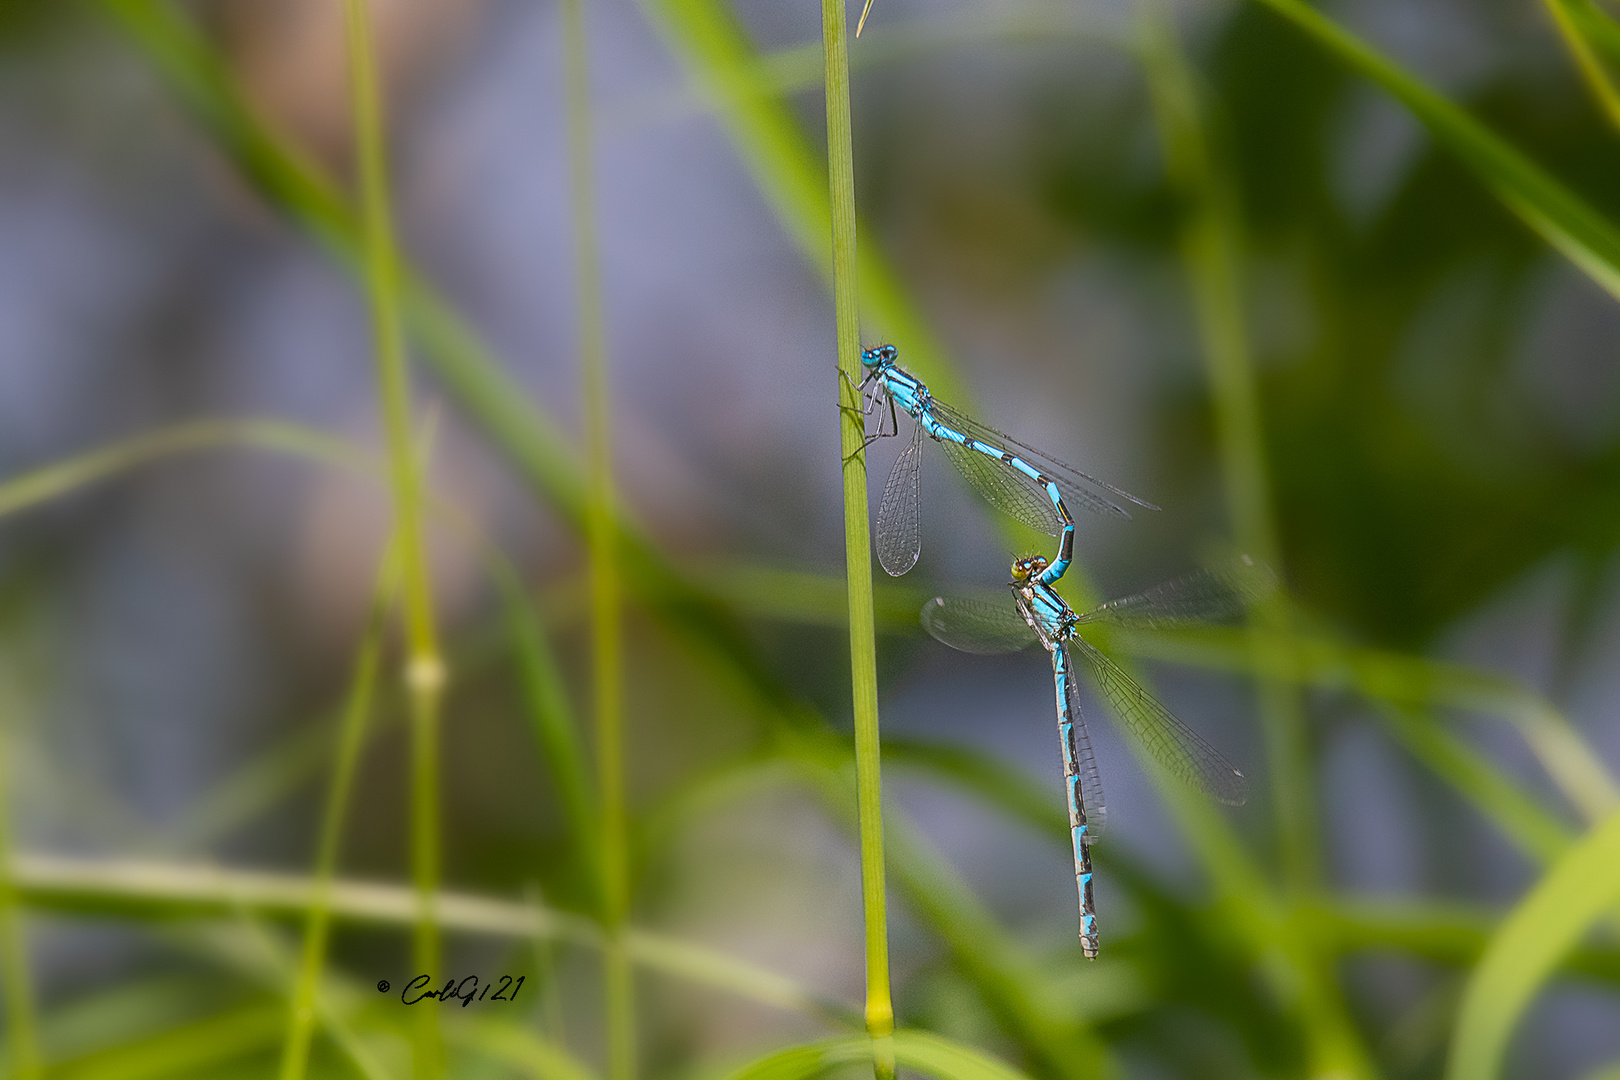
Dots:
pixel 607 647
pixel 424 669
pixel 351 740
pixel 1211 246
pixel 1591 66
pixel 857 539
pixel 23 1040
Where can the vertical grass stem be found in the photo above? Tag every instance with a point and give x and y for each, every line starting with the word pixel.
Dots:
pixel 22 1031
pixel 1211 246
pixel 600 530
pixel 351 739
pixel 857 539
pixel 424 670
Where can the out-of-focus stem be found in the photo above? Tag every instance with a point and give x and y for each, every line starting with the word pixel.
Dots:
pixel 351 738
pixel 600 531
pixel 23 1038
pixel 424 668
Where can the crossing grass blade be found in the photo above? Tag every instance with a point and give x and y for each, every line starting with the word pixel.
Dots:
pixel 1578 23
pixel 425 674
pixel 1562 218
pixel 607 638
pixel 351 739
pixel 155 890
pixel 708 37
pixel 22 1028
pixel 1212 253
pixel 1580 888
pixel 920 1051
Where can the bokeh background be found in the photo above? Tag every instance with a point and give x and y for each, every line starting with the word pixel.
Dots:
pixel 1439 410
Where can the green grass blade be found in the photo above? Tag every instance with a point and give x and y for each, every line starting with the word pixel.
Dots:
pixel 1599 28
pixel 923 1052
pixel 425 674
pixel 1572 19
pixel 556 729
pixel 1404 680
pixel 351 738
pixel 717 53
pixel 520 1048
pixel 139 889
pixel 991 958
pixel 1212 253
pixel 1442 932
pixel 803 1062
pixel 204 1044
pixel 1562 218
pixel 424 669
pixel 59 478
pixel 22 1028
pixel 1472 774
pixel 857 536
pixel 607 647
pixel 1580 888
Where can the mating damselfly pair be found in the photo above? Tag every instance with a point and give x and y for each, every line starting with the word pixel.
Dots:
pixel 1035 488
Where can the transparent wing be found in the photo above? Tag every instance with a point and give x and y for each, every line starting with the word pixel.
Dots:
pixel 1090 780
pixel 1005 488
pixel 1076 487
pixel 899 539
pixel 1209 595
pixel 1176 746
pixel 977 626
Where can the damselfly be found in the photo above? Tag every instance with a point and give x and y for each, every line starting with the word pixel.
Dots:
pixel 1038 613
pixel 1012 476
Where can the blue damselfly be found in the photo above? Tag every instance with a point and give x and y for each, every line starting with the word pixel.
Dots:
pixel 1038 613
pixel 1012 476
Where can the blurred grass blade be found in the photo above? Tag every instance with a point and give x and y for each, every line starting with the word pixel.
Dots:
pixel 924 1052
pixel 1601 31
pixel 552 718
pixel 1579 889
pixel 1517 813
pixel 351 738
pixel 607 645
pixel 997 964
pixel 1442 932
pixel 62 477
pixel 163 891
pixel 1403 680
pixel 16 981
pixel 520 1048
pixel 191 1049
pixel 424 668
pixel 1212 253
pixel 857 537
pixel 1562 218
pixel 708 37
pixel 1573 19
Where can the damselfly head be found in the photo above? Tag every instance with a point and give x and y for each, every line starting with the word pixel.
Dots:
pixel 880 356
pixel 1028 567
